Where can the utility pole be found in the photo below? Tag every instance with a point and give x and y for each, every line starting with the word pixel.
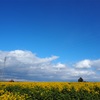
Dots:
pixel 5 58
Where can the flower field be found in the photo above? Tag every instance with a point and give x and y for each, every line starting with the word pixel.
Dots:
pixel 49 90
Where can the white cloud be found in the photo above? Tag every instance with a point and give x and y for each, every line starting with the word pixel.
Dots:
pixel 96 64
pixel 83 64
pixel 25 65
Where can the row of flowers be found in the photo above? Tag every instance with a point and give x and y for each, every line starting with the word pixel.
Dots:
pixel 49 91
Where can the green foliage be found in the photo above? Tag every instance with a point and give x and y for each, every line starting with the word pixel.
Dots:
pixel 80 79
pixel 40 93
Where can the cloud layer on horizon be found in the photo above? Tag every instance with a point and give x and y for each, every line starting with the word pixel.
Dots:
pixel 26 66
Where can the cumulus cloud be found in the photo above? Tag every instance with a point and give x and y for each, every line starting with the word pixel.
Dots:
pixel 83 64
pixel 91 67
pixel 26 66
pixel 95 64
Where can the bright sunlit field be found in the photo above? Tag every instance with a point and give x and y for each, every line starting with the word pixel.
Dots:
pixel 49 90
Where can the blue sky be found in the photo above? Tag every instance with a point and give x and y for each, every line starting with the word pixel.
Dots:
pixel 67 29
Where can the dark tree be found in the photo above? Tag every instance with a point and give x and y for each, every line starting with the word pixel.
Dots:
pixel 80 79
pixel 11 80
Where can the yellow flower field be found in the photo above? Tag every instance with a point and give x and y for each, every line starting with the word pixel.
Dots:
pixel 49 90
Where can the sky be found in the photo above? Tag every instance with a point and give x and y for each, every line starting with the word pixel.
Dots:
pixel 50 40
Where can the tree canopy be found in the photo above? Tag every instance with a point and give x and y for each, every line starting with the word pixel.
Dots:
pixel 80 79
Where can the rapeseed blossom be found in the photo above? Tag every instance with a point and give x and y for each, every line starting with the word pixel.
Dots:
pixel 27 90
